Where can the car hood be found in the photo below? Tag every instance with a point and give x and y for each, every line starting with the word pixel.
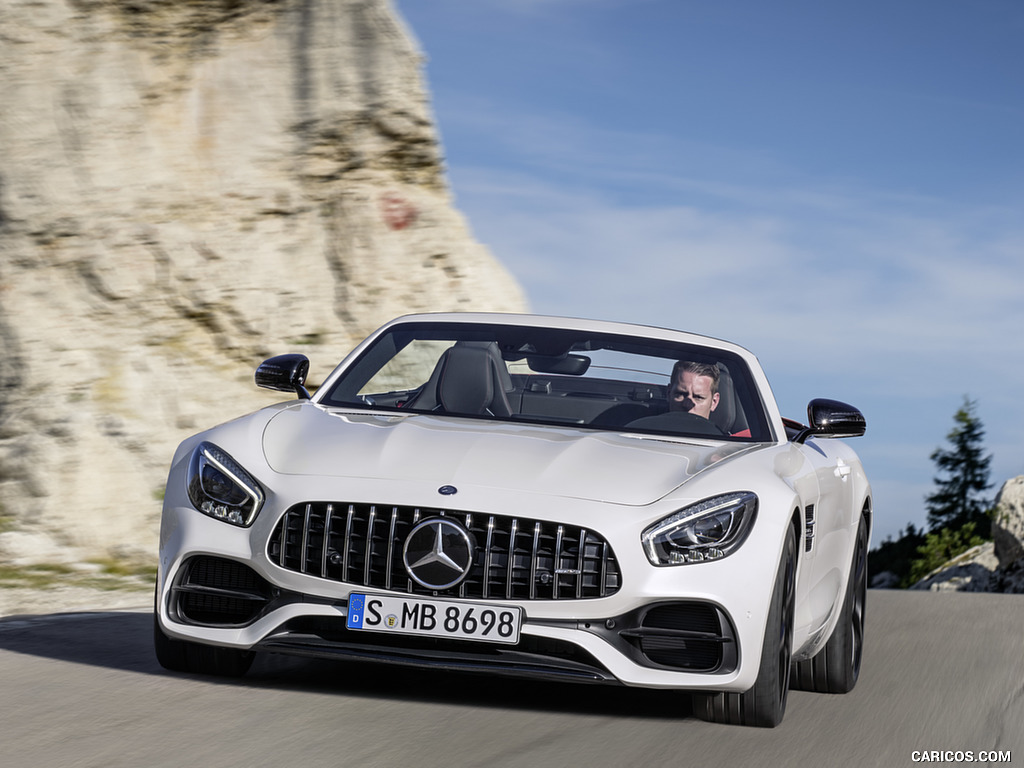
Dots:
pixel 605 466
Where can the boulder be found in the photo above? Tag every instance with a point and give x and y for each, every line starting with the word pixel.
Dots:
pixel 971 571
pixel 1008 523
pixel 996 566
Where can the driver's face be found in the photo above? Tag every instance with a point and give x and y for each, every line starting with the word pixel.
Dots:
pixel 690 392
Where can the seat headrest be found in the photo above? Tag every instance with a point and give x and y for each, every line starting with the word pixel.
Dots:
pixel 728 415
pixel 467 381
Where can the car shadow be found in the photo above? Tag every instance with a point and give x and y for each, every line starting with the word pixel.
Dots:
pixel 124 641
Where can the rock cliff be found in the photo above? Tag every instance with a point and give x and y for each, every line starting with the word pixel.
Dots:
pixel 186 187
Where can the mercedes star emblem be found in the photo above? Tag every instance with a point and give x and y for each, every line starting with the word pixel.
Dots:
pixel 438 553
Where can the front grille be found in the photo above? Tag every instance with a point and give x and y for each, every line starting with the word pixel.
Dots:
pixel 212 591
pixel 515 558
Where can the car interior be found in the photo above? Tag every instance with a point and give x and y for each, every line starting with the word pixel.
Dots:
pixel 563 384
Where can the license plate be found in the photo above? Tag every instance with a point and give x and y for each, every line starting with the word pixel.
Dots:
pixel 434 618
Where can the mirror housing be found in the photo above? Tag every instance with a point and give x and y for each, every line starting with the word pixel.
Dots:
pixel 284 373
pixel 831 418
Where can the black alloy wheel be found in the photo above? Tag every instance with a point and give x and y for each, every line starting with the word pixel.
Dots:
pixel 836 667
pixel 764 704
pixel 184 656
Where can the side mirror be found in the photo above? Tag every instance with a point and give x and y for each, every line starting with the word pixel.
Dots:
pixel 284 373
pixel 831 418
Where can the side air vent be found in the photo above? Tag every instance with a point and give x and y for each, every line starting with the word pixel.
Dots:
pixel 808 527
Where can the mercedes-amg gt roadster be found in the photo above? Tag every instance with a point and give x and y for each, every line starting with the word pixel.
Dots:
pixel 521 495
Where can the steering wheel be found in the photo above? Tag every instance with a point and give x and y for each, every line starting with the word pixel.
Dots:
pixel 679 422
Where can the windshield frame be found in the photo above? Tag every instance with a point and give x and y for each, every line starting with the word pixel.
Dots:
pixel 557 352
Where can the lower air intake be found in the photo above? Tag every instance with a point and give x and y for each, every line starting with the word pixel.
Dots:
pixel 215 592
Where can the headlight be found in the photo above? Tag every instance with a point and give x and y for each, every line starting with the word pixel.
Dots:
pixel 707 530
pixel 220 488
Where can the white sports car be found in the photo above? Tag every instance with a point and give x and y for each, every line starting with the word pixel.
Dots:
pixel 524 495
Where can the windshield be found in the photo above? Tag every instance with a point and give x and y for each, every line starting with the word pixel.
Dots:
pixel 557 377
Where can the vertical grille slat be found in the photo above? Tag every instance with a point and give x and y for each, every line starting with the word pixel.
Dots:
pixel 368 553
pixel 604 568
pixel 326 547
pixel 282 541
pixel 488 557
pixel 409 583
pixel 534 557
pixel 464 586
pixel 515 559
pixel 556 561
pixel 390 561
pixel 305 538
pixel 580 569
pixel 510 569
pixel 346 547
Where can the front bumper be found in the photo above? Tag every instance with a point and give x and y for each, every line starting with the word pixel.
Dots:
pixel 685 628
pixel 212 596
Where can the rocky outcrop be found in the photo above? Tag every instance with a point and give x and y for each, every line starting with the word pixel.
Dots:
pixel 1008 523
pixel 970 571
pixel 187 187
pixel 996 566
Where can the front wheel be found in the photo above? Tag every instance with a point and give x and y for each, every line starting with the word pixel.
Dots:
pixel 765 703
pixel 185 656
pixel 836 667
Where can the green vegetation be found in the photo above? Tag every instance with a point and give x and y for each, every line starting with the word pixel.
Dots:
pixel 309 339
pixel 6 521
pixel 108 575
pixel 959 517
pixel 942 546
pixel 127 569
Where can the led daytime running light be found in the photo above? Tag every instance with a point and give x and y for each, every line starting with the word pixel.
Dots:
pixel 220 488
pixel 708 530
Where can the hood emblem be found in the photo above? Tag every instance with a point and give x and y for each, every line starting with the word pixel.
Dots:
pixel 438 553
pixel 447 490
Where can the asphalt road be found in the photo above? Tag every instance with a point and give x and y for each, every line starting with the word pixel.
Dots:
pixel 942 672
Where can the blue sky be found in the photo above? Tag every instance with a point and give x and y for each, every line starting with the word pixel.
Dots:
pixel 838 187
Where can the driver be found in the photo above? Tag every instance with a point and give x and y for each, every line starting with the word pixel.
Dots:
pixel 693 388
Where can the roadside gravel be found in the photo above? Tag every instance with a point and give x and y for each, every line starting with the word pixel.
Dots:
pixel 35 591
pixel 22 601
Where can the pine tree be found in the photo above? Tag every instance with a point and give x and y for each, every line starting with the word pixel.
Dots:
pixel 964 476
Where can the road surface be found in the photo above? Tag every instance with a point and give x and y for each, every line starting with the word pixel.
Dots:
pixel 943 673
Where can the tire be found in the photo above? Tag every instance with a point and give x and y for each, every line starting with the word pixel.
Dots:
pixel 184 656
pixel 836 667
pixel 764 704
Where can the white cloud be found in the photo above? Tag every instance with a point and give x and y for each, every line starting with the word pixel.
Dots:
pixel 840 295
pixel 899 284
pixel 680 167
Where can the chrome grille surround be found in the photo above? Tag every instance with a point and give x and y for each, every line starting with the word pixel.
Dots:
pixel 363 547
